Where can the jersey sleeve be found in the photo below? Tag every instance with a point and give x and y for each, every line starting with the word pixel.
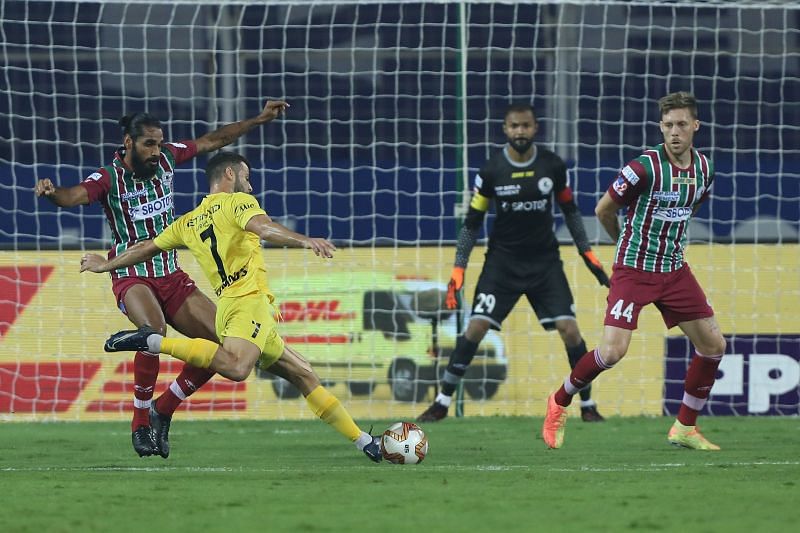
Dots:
pixel 97 184
pixel 245 207
pixel 171 237
pixel 561 188
pixel 482 190
pixel 707 191
pixel 182 151
pixel 629 183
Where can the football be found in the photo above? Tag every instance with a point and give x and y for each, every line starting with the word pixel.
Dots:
pixel 404 443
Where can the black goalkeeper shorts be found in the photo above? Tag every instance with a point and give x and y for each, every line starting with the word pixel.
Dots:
pixel 505 278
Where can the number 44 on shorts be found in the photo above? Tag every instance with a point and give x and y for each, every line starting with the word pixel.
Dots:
pixel 617 311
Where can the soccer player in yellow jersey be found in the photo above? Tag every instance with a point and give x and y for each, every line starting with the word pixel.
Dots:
pixel 223 233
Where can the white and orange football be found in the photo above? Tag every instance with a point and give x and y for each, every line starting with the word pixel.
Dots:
pixel 404 443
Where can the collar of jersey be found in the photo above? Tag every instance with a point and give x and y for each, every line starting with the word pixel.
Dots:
pixel 663 151
pixel 524 164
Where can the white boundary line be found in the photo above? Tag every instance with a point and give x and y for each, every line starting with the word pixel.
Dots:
pixel 653 467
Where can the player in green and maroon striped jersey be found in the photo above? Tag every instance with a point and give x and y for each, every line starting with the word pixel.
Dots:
pixel 136 192
pixel 660 191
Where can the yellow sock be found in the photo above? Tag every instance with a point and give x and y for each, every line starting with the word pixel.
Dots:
pixel 327 406
pixel 196 352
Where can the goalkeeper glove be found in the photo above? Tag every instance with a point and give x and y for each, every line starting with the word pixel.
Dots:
pixel 594 265
pixel 455 284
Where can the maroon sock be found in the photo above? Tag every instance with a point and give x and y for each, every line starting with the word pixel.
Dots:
pixel 700 377
pixel 188 381
pixel 586 369
pixel 145 373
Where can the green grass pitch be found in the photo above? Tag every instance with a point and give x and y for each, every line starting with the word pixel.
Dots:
pixel 481 474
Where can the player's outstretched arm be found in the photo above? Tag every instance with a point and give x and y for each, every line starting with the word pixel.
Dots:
pixel 275 233
pixel 230 132
pixel 61 196
pixel 141 251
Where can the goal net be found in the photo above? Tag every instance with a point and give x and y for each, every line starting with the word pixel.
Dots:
pixel 394 106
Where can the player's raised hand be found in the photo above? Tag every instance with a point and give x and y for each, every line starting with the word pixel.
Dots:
pixel 453 286
pixel 272 110
pixel 596 268
pixel 44 187
pixel 93 263
pixel 321 247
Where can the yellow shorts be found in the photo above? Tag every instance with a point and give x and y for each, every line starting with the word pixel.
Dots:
pixel 250 317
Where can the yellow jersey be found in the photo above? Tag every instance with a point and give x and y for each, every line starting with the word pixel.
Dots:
pixel 229 255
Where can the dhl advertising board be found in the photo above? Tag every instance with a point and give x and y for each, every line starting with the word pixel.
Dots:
pixel 372 323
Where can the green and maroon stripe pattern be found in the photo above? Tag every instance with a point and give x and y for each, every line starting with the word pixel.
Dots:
pixel 654 236
pixel 138 210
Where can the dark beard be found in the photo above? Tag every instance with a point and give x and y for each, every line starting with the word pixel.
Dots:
pixel 141 170
pixel 520 146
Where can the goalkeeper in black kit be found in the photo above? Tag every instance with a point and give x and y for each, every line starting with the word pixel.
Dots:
pixel 522 179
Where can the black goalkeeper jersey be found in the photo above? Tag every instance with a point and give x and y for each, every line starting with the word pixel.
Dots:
pixel 523 198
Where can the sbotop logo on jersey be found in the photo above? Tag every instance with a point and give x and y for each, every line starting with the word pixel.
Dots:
pixel 151 209
pixel 672 214
pixel 545 185
pixel 531 205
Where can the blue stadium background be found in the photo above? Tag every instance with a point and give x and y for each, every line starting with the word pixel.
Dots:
pixel 375 157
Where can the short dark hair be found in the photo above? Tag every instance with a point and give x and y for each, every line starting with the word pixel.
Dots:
pixel 678 100
pixel 216 165
pixel 519 108
pixel 135 123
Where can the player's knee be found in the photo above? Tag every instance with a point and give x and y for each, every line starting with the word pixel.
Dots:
pixel 566 325
pixel 477 330
pixel 611 353
pixel 723 344
pixel 237 376
pixel 239 371
pixel 569 332
pixel 713 346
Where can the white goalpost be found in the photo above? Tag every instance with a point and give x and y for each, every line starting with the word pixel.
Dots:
pixel 394 107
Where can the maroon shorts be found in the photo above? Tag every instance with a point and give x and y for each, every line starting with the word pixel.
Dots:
pixel 676 294
pixel 170 290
